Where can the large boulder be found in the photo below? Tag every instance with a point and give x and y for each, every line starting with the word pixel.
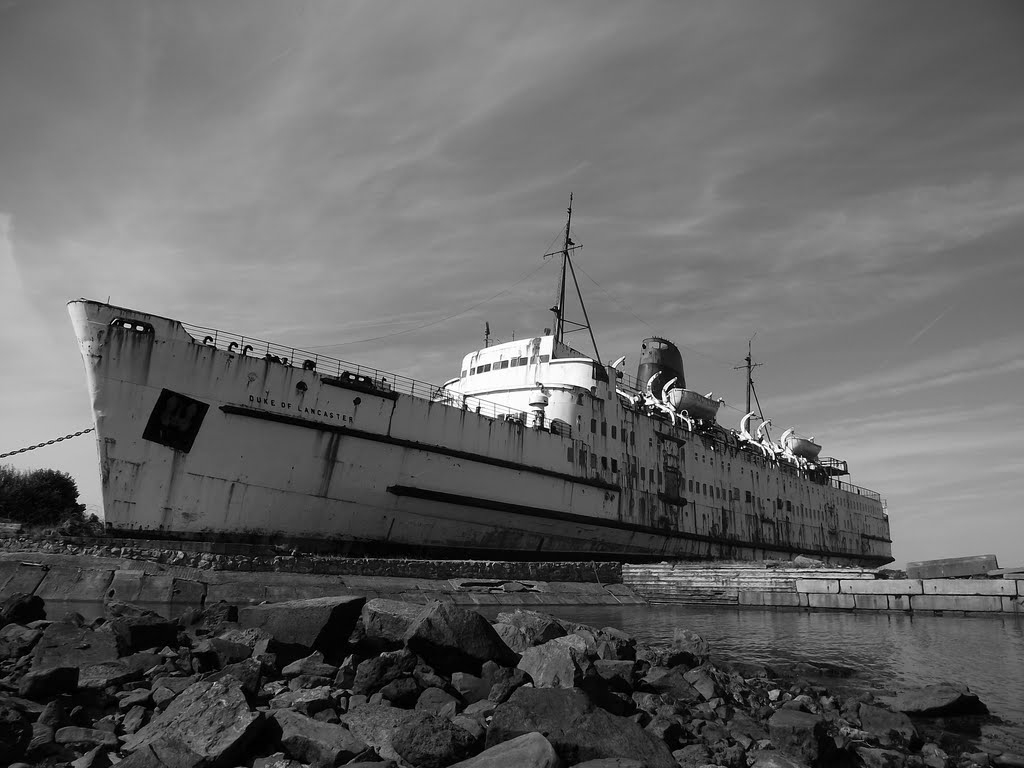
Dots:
pixel 892 729
pixel 322 623
pixel 65 644
pixel 16 641
pixel 49 682
pixel 211 719
pixel 376 672
pixel 452 638
pixel 798 734
pixel 694 647
pixel 535 628
pixel 316 743
pixel 15 733
pixel 576 728
pixel 671 681
pixel 531 750
pixel 431 741
pixel 554 665
pixel 385 622
pixel 378 725
pixel 138 632
pixel 22 608
pixel 940 700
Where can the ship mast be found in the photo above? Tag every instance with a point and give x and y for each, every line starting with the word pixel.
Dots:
pixel 562 324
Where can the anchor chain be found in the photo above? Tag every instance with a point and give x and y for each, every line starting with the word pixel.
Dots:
pixel 48 442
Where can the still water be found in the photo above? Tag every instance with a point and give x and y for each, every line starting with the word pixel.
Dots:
pixel 889 651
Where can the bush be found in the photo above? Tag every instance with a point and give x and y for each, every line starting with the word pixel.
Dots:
pixel 39 496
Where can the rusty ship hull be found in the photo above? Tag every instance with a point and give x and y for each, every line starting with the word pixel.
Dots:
pixel 209 436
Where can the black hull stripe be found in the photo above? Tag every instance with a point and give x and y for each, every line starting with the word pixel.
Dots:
pixel 599 522
pixel 378 438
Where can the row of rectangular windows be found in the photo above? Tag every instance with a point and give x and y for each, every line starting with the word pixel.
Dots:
pixel 501 365
pixel 604 428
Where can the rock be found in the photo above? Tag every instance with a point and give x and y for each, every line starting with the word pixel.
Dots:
pixel 49 682
pixel 248 673
pixel 94 758
pixel 167 751
pixel 16 640
pixel 429 741
pixel 470 687
pixel 376 672
pixel 671 681
pixel 385 622
pixel 22 608
pixel 402 692
pixel 611 762
pixel 663 657
pixel 87 736
pixel 438 702
pixel 575 727
pixel 514 637
pixel 536 628
pixel 134 719
pixel 15 733
pixel 276 760
pixel 451 638
pixel 481 709
pixel 217 652
pixel 314 742
pixel 136 633
pixel 553 665
pixel 703 683
pixel 939 700
pixel 67 645
pixel 377 725
pixel 313 664
pixel 211 720
pixel 308 681
pixel 104 673
pixel 308 701
pixel 322 623
pixel 472 726
pixel 162 697
pixel 531 750
pixel 692 755
pixel 892 729
pixel 871 757
pixel 693 645
pixel 763 758
pixel 43 743
pixel 797 734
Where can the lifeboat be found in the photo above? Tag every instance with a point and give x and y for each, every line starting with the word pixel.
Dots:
pixel 698 406
pixel 803 447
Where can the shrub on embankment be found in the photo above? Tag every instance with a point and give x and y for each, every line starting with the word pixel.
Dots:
pixel 39 496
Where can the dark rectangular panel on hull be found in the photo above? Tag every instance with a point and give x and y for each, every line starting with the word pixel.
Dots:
pixel 175 421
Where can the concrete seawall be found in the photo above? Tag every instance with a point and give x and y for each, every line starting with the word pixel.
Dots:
pixel 90 579
pixel 819 588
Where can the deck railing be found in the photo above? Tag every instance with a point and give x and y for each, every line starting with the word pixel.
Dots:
pixel 332 367
pixel 851 488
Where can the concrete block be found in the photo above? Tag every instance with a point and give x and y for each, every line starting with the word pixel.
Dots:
pixel 881 587
pixel 952 567
pixel 973 603
pixel 969 587
pixel 818 586
pixel 21 578
pixel 242 593
pixel 187 592
pixel 63 583
pixel 752 598
pixel 871 602
pixel 125 586
pixel 1013 604
pixel 899 602
pixel 788 599
pixel 843 602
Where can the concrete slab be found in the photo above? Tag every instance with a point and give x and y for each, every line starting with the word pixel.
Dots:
pixel 72 584
pixel 881 587
pixel 971 603
pixel 899 603
pixel 125 586
pixel 787 599
pixel 835 602
pixel 755 598
pixel 1013 604
pixel 21 578
pixel 818 586
pixel 871 602
pixel 187 592
pixel 969 587
pixel 952 567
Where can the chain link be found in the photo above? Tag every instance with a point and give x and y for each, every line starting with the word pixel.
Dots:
pixel 48 442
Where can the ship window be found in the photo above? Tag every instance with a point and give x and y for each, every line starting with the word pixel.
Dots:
pixel 659 477
pixel 778 503
pixel 691 485
pixel 615 465
pixel 593 426
pixel 604 462
pixel 472 371
pixel 604 429
pixel 593 461
pixel 579 399
pixel 545 358
pixel 503 364
pixel 789 505
pixel 463 374
pixel 747 497
pixel 705 488
pixel 583 457
pixel 614 435
pixel 522 361
pixel 568 454
pixel 718 492
pixel 485 368
pixel 632 437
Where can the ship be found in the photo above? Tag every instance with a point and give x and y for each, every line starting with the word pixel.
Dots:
pixel 534 451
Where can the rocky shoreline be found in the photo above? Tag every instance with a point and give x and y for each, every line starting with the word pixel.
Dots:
pixel 380 683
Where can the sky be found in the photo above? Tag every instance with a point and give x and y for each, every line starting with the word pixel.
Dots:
pixel 845 180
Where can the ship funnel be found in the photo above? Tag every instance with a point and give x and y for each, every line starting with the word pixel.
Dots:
pixel 658 355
